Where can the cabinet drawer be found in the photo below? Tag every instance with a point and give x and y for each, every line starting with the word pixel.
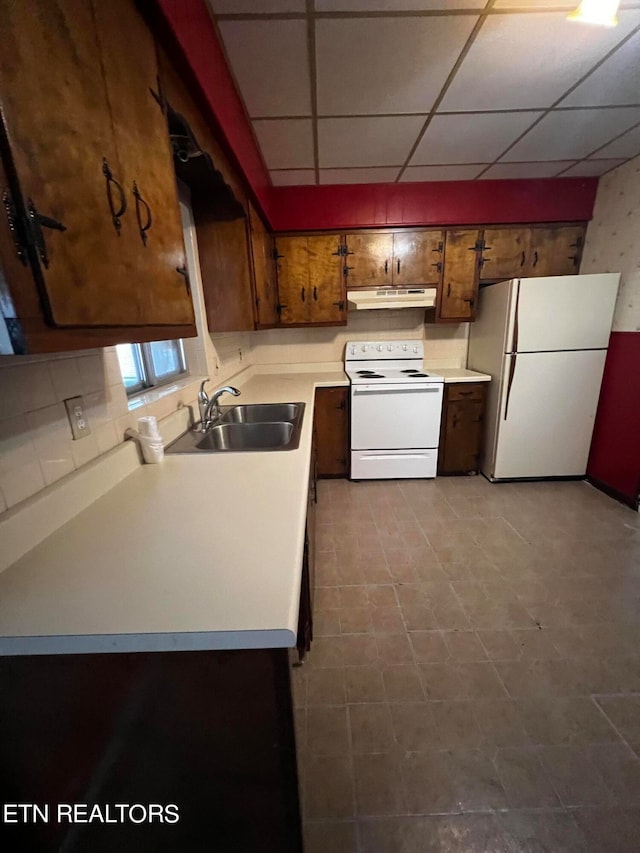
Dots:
pixel 465 391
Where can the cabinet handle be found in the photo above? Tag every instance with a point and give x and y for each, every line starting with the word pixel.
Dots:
pixel 575 259
pixel 315 294
pixel 535 258
pixel 302 294
pixel 38 221
pixel 522 258
pixel 345 270
pixel 386 267
pixel 111 181
pixel 140 202
pixel 465 393
pixel 449 290
pixel 398 266
pixel 183 271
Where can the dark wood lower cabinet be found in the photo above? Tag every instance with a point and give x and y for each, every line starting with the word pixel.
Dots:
pixel 211 732
pixel 462 428
pixel 331 425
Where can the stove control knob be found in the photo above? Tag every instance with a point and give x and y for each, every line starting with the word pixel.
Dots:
pixel 364 348
pixel 415 349
pixel 353 350
pixel 380 347
pixel 390 348
pixel 404 347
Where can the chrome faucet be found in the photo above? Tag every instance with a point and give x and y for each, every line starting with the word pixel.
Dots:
pixel 209 408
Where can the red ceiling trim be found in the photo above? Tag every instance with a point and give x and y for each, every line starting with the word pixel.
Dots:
pixel 433 203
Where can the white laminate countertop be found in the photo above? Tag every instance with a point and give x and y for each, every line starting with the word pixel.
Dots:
pixel 461 374
pixel 200 552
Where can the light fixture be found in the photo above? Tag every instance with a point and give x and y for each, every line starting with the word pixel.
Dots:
pixel 602 12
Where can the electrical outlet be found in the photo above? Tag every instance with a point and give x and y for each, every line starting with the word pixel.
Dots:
pixel 77 418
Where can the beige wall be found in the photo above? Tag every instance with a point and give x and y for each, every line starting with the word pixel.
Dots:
pixel 444 345
pixel 613 240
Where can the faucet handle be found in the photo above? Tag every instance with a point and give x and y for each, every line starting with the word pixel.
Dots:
pixel 202 394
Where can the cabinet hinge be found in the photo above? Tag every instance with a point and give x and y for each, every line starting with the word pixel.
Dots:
pixel 342 252
pixel 276 254
pixel 339 305
pixel 280 307
pixel 19 241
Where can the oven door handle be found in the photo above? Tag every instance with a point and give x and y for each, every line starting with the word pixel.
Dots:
pixel 395 389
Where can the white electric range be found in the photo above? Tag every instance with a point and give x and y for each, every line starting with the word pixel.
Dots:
pixel 396 407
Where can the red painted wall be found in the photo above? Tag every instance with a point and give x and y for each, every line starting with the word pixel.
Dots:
pixel 197 37
pixel 436 203
pixel 615 449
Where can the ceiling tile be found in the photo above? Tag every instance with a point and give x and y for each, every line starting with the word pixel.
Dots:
pixel 466 138
pixel 286 143
pixel 442 173
pixel 395 5
pixel 616 81
pixel 626 146
pixel 591 168
pixel 371 141
pixel 383 175
pixel 270 62
pixel 386 65
pixel 572 134
pixel 526 170
pixel 293 177
pixel 529 60
pixel 234 7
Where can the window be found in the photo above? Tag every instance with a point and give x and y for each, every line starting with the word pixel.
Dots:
pixel 145 365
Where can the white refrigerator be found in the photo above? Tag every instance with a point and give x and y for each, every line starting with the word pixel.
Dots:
pixel 544 342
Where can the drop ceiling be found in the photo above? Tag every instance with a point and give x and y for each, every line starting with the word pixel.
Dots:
pixel 368 91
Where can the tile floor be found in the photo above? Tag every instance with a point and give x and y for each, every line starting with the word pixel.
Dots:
pixel 474 682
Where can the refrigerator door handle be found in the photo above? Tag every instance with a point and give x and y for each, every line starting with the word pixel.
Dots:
pixel 512 371
pixel 514 341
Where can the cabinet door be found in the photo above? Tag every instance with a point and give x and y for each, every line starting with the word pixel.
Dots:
pixel 226 276
pixel 293 280
pixel 417 257
pixel 463 429
pixel 326 295
pixel 151 228
pixel 556 250
pixel 505 254
pixel 331 423
pixel 460 279
pixel 59 129
pixel 264 271
pixel 369 259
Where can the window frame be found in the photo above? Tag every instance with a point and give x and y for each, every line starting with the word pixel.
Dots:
pixel 143 358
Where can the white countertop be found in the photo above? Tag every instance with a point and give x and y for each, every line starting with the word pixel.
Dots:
pixel 461 374
pixel 200 552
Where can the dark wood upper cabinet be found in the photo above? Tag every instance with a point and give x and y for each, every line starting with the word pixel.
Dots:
pixel 264 271
pixel 369 259
pixel 505 254
pixel 396 259
pixel 152 228
pixel 459 292
pixel 311 288
pixel 556 250
pixel 79 126
pixel 417 257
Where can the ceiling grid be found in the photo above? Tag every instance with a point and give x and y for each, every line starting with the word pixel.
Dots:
pixel 418 90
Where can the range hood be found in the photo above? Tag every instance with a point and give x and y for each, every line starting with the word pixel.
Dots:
pixel 391 297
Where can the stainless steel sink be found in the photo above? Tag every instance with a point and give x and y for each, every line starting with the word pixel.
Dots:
pixel 246 428
pixel 260 413
pixel 264 436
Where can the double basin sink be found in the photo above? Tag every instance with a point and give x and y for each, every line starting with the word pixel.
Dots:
pixel 260 427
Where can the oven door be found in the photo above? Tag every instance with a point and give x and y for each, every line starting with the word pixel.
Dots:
pixel 395 416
